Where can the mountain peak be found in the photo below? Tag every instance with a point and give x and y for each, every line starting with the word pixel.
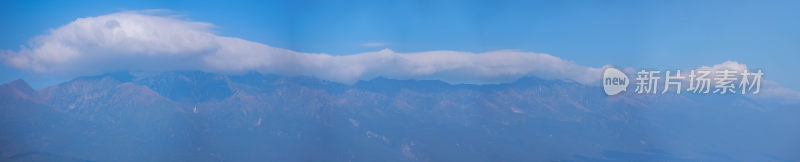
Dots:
pixel 20 85
pixel 17 89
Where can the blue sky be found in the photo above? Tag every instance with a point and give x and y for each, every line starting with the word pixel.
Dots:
pixel 652 34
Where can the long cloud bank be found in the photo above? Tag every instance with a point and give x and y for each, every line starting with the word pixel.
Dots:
pixel 142 41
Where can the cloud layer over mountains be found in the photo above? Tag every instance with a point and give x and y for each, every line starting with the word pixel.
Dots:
pixel 139 40
pixel 149 41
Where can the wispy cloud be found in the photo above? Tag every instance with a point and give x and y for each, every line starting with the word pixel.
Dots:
pixel 769 90
pixel 135 40
pixel 375 44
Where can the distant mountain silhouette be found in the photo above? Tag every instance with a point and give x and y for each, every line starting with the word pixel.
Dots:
pixel 199 116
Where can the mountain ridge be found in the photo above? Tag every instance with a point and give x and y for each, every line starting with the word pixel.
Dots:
pixel 206 117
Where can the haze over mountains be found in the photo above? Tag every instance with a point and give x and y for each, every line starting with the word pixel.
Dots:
pixel 199 116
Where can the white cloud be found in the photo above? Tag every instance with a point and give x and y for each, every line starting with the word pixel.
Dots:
pixel 727 65
pixel 774 92
pixel 770 91
pixel 141 41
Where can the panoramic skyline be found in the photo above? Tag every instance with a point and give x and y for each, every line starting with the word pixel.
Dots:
pixel 399 80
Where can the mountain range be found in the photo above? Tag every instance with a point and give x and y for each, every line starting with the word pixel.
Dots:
pixel 200 116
